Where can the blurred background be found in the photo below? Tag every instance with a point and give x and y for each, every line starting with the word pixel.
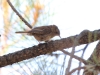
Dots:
pixel 71 17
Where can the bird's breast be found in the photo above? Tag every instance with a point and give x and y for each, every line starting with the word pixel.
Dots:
pixel 43 37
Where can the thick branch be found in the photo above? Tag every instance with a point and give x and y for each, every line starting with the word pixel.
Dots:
pixel 83 38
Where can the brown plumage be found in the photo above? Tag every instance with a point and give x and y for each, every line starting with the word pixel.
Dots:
pixel 43 33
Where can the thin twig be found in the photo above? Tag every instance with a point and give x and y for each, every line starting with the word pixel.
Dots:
pixel 75 57
pixel 19 14
pixel 70 61
pixel 78 68
pixel 72 53
pixel 62 67
pixel 84 49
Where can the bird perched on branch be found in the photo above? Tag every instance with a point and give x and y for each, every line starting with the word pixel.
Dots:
pixel 43 33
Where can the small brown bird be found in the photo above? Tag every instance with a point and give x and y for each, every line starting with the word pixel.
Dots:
pixel 43 33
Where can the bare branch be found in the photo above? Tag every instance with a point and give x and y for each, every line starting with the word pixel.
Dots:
pixel 75 57
pixel 84 49
pixel 19 14
pixel 72 53
pixel 78 68
pixel 44 48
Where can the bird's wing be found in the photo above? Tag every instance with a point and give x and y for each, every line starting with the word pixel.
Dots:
pixel 41 30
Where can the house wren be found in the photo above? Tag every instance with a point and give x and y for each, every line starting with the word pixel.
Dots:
pixel 43 33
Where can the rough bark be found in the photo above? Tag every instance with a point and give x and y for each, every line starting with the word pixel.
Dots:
pixel 84 37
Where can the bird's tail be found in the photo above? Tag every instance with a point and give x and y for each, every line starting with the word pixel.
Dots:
pixel 22 32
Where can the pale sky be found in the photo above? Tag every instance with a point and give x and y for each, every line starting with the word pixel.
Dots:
pixel 77 15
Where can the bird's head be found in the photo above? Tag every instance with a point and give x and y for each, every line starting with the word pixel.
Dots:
pixel 56 30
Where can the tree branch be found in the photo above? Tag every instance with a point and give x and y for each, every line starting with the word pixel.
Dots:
pixel 78 68
pixel 72 53
pixel 84 49
pixel 84 37
pixel 19 14
pixel 74 56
